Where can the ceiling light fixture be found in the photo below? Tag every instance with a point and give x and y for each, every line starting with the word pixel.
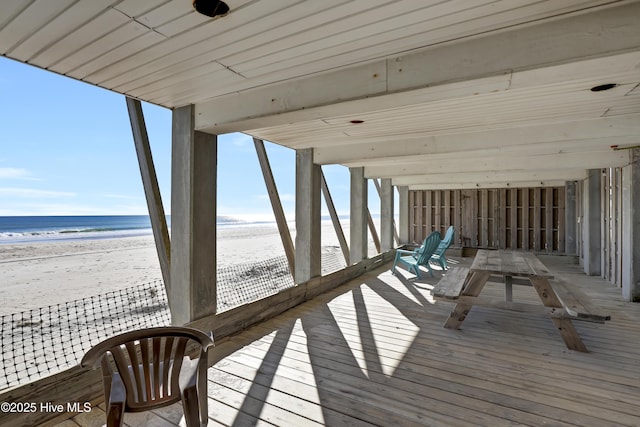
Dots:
pixel 356 122
pixel 211 8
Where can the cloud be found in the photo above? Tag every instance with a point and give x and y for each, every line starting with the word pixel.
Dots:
pixel 122 197
pixel 32 193
pixel 285 197
pixel 14 173
pixel 56 208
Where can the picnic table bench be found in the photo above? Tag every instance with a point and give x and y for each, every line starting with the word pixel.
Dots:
pixel 561 300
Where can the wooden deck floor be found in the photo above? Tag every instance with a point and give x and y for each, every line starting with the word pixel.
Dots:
pixel 374 352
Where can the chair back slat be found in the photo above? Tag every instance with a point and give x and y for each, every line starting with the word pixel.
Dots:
pixel 157 383
pixel 446 241
pixel 121 360
pixel 429 247
pixel 134 368
pixel 166 365
pixel 147 367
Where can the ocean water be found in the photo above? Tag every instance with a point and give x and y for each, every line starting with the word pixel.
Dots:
pixel 21 229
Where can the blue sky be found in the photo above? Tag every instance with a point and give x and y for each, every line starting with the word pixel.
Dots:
pixel 66 148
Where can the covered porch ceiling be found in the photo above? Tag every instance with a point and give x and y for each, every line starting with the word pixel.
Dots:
pixel 432 94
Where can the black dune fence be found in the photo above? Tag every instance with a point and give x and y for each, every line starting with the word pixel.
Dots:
pixel 43 341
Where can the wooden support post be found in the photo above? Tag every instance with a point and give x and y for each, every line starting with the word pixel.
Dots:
pixel 276 205
pixel 630 265
pixel 404 223
pixel 151 190
pixel 591 227
pixel 393 222
pixel 307 245
pixel 193 220
pixel 358 212
pixel 334 218
pixel 386 215
pixel 571 218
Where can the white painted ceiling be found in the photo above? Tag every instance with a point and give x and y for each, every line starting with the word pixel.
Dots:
pixel 451 94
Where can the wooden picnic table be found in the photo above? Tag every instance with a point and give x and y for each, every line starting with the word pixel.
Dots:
pixel 464 286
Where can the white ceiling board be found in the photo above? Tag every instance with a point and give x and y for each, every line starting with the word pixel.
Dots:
pixel 501 154
pixel 588 134
pixel 117 54
pixel 586 160
pixel 197 41
pixel 104 24
pixel 29 22
pixel 488 184
pixel 613 31
pixel 58 27
pixel 465 178
pixel 469 87
pixel 112 40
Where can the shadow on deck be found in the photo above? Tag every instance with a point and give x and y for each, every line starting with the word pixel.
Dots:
pixel 374 352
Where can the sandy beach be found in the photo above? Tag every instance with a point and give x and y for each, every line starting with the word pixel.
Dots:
pixel 38 274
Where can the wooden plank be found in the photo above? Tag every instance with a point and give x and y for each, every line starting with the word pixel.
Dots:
pixel 276 204
pixel 510 263
pixel 428 207
pixel 561 216
pixel 619 220
pixel 475 242
pixel 451 284
pixel 605 182
pixel 549 224
pixel 447 209
pixel 502 218
pixel 577 303
pixel 59 26
pixel 28 21
pixel 437 212
pixel 515 230
pixel 526 220
pixel 483 214
pixel 419 218
pixel 457 217
pixel 537 219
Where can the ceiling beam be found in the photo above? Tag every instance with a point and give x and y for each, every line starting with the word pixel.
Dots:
pixel 475 65
pixel 473 178
pixel 579 150
pixel 599 133
pixel 488 184
pixel 581 160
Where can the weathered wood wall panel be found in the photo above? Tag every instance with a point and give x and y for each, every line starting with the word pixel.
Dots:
pixel 507 218
pixel 611 230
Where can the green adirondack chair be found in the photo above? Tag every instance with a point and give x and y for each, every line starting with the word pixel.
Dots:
pixel 438 255
pixel 413 260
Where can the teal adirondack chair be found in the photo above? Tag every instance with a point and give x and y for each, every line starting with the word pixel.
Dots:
pixel 438 255
pixel 413 260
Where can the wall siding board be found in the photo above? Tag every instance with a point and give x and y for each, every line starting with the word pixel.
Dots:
pixel 561 219
pixel 514 218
